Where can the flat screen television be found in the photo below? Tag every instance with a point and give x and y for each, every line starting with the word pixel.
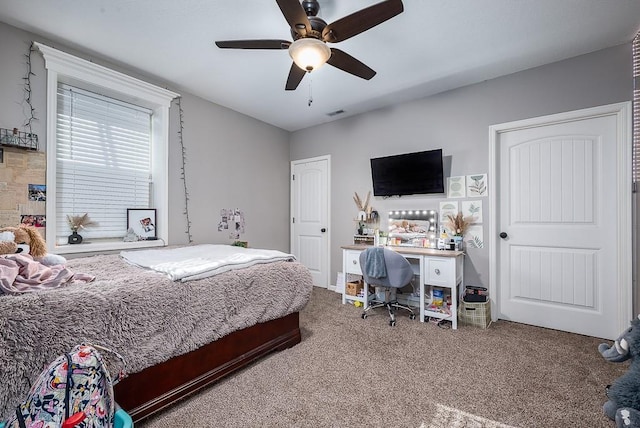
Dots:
pixel 408 174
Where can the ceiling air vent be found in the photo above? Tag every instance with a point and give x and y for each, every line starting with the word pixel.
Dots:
pixel 335 113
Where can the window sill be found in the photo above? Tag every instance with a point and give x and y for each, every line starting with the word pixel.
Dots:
pixel 102 246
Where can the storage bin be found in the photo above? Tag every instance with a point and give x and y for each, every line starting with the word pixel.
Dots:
pixel 353 288
pixel 122 419
pixel 363 239
pixel 476 314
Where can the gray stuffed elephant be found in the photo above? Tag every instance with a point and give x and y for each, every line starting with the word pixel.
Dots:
pixel 623 405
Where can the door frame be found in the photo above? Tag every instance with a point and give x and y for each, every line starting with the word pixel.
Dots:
pixel 291 209
pixel 624 230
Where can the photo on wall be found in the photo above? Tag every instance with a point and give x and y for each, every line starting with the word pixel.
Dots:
pixel 33 220
pixel 477 185
pixel 38 192
pixel 474 237
pixel 232 220
pixel 456 187
pixel 446 208
pixel 473 210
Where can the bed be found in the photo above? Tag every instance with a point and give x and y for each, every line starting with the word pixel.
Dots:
pixel 176 337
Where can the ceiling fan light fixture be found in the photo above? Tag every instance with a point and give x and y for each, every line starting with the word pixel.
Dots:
pixel 309 53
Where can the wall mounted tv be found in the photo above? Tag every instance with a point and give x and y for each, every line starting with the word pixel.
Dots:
pixel 408 174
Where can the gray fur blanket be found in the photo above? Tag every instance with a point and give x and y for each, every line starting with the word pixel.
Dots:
pixel 141 314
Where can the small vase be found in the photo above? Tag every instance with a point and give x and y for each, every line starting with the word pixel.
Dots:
pixel 75 238
pixel 457 241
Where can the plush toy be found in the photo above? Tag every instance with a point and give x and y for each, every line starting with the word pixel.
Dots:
pixel 29 240
pixel 624 394
pixel 8 243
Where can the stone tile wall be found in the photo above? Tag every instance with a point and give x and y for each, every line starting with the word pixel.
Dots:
pixel 18 169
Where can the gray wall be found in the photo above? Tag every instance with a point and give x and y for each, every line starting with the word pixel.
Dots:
pixel 233 161
pixel 456 121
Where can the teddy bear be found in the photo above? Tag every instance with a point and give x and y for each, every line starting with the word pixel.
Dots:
pixel 27 239
pixel 623 405
pixel 8 243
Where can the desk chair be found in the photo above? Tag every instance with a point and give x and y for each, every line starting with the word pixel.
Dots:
pixel 385 268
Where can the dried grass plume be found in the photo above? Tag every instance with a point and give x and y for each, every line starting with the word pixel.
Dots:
pixel 77 222
pixel 458 224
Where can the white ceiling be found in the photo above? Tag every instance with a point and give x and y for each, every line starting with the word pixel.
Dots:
pixel 433 46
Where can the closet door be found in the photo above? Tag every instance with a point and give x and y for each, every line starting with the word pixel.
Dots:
pixel 563 227
pixel 310 216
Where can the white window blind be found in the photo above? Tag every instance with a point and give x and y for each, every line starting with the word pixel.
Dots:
pixel 103 161
pixel 636 109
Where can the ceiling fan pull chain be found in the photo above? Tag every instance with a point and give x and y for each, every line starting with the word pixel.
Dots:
pixel 310 95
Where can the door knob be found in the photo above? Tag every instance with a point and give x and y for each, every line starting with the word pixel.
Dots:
pixel 323 230
pixel 503 235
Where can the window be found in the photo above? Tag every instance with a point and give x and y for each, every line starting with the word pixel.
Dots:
pixel 103 161
pixel 107 144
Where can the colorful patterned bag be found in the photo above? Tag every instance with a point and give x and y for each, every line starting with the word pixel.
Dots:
pixel 76 390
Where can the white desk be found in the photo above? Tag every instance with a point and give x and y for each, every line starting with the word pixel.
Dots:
pixel 439 268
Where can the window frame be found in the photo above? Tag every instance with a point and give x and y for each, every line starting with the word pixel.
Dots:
pixel 636 110
pixel 66 68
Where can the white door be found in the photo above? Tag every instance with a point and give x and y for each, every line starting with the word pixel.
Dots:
pixel 563 205
pixel 310 216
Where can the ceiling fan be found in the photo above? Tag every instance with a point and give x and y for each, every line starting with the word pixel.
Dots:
pixel 311 34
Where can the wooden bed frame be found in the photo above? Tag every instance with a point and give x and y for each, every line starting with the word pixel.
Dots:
pixel 154 388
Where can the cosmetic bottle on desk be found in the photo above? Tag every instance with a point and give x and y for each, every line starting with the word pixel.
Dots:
pixel 442 241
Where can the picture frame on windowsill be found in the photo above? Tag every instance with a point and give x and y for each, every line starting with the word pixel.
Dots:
pixel 143 223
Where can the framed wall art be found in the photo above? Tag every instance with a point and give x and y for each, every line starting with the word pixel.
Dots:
pixel 143 222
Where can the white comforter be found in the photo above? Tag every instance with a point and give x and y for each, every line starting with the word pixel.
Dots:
pixel 201 261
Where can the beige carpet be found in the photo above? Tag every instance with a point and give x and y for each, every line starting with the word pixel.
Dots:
pixel 350 372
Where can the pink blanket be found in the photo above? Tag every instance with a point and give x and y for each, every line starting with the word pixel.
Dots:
pixel 20 273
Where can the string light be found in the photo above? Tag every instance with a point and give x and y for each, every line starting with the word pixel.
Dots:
pixel 27 92
pixel 183 174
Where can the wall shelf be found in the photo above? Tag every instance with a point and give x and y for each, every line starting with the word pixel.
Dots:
pixel 19 139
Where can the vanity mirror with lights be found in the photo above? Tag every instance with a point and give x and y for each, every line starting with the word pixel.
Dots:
pixel 413 228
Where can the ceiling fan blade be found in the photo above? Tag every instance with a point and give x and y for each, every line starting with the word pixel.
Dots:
pixel 295 77
pixel 253 44
pixel 360 21
pixel 295 16
pixel 346 62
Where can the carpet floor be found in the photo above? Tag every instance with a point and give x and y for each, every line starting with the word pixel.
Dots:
pixel 350 372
